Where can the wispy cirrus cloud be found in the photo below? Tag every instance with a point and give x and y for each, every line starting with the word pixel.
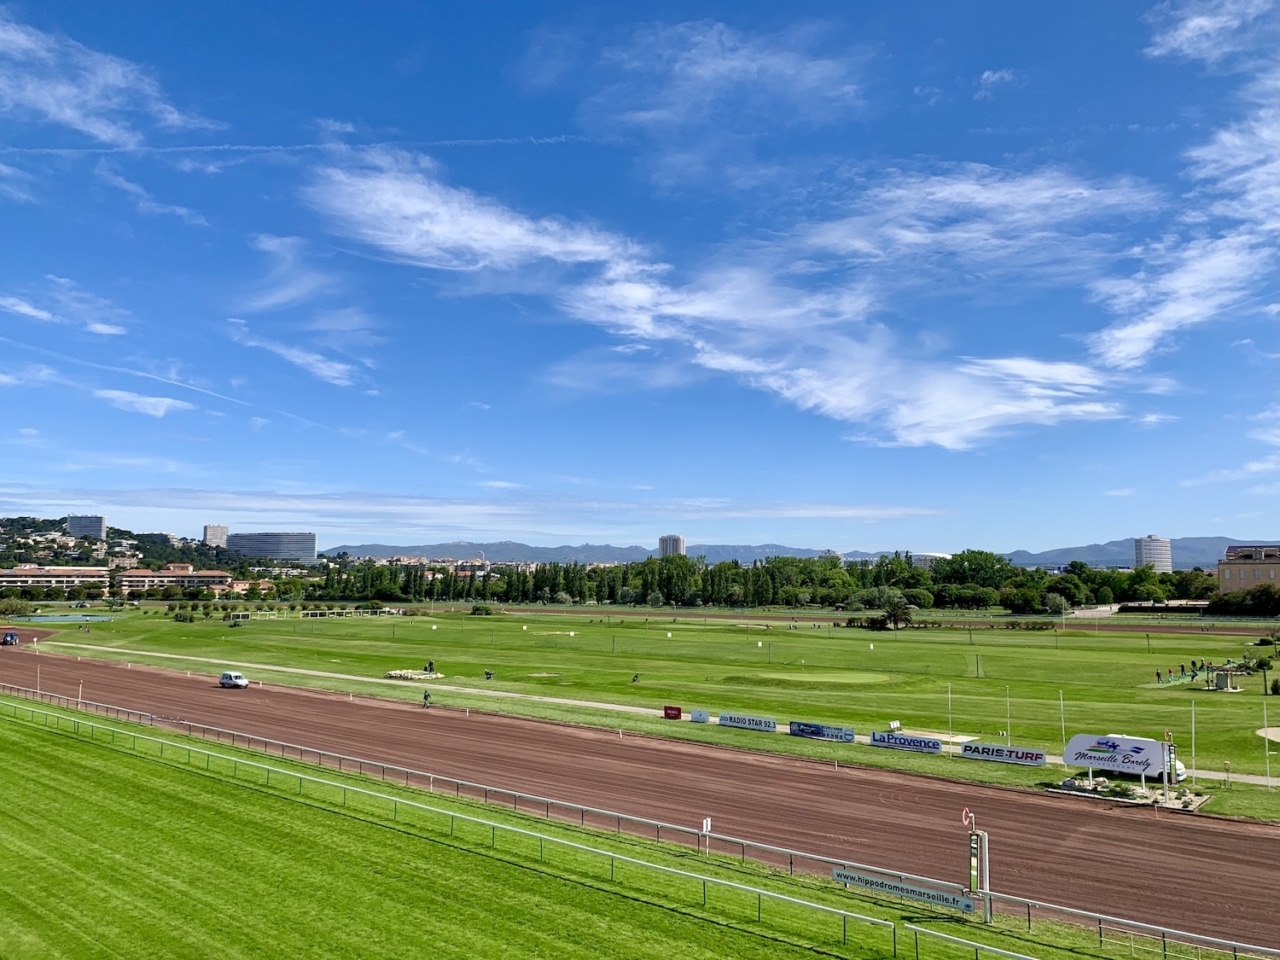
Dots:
pixel 52 79
pixel 797 320
pixel 1266 431
pixel 14 184
pixel 291 280
pixel 701 95
pixel 137 403
pixel 143 200
pixel 354 511
pixel 63 301
pixel 323 368
pixel 1210 30
pixel 1220 261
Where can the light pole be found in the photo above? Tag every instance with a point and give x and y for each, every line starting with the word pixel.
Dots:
pixel 1008 734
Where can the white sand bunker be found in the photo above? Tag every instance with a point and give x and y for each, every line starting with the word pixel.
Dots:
pixel 544 674
pixel 1271 733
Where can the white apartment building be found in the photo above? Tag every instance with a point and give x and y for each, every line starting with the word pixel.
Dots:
pixel 34 575
pixel 1153 551
pixel 671 545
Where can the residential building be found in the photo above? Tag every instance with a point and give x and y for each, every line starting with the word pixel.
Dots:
pixel 34 575
pixel 300 547
pixel 925 561
pixel 1246 567
pixel 85 526
pixel 1155 552
pixel 215 535
pixel 173 575
pixel 671 545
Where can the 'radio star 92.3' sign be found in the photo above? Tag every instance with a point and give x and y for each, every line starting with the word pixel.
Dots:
pixel 744 722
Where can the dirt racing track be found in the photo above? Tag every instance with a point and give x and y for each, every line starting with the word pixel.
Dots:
pixel 1206 875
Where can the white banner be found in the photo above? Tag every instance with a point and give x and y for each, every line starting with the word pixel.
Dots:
pixel 1136 755
pixel 906 741
pixel 744 722
pixel 898 888
pixel 700 716
pixel 991 751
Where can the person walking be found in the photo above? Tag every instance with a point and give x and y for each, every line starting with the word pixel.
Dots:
pixel 426 699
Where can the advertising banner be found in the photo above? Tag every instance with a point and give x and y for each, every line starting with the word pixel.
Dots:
pixel 906 741
pixel 1136 755
pixel 744 722
pixel 898 888
pixel 672 713
pixel 820 731
pixel 700 716
pixel 998 752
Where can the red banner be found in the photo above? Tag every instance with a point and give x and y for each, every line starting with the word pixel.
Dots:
pixel 672 713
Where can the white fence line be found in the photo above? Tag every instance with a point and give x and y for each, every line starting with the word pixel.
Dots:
pixel 963 943
pixel 398 802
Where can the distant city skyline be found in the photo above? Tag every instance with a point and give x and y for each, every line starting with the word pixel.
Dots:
pixel 846 275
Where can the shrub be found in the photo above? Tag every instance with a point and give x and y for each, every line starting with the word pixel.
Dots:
pixel 481 610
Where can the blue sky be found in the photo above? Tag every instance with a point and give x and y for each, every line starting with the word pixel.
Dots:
pixel 865 277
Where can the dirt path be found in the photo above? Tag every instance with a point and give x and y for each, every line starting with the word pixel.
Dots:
pixel 1209 875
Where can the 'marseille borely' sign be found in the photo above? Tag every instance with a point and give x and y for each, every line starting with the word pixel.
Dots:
pixel 1136 755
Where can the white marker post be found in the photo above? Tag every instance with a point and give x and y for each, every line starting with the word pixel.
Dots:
pixel 979 863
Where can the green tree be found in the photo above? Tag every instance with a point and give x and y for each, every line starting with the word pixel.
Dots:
pixel 982 567
pixel 896 610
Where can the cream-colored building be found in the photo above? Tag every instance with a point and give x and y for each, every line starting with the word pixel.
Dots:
pixel 173 575
pixel 1247 567
pixel 34 575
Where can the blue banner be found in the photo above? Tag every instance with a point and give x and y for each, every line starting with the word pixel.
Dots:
pixel 820 731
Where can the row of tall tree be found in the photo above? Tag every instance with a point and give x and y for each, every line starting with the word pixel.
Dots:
pixel 972 579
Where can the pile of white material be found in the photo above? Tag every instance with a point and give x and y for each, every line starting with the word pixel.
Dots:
pixel 412 675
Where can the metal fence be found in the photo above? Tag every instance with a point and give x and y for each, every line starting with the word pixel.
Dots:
pixel 75 703
pixel 1134 936
pixel 977 948
pixel 394 805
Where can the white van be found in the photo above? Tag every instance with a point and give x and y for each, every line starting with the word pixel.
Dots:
pixel 232 679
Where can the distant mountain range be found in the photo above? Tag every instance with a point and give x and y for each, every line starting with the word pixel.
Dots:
pixel 1188 552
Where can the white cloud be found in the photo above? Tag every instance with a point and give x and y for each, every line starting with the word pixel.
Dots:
pixel 12 183
pixel 319 366
pixel 63 301
pixel 396 202
pixel 137 403
pixel 1046 222
pixel 355 511
pixel 144 201
pixel 1221 261
pixel 55 80
pixel 291 280
pixel 500 484
pixel 702 95
pixel 1211 30
pixel 1268 432
pixel 991 79
pixel 705 73
pixel 1123 492
pixel 790 319
pixel 24 308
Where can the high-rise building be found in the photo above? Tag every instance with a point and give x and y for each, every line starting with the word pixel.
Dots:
pixel 274 546
pixel 925 561
pixel 82 526
pixel 215 535
pixel 1153 551
pixel 672 545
